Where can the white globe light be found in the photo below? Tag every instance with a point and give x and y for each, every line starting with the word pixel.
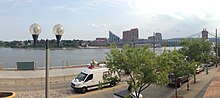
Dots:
pixel 58 29
pixel 35 29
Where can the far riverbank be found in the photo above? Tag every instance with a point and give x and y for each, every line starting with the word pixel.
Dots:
pixel 58 57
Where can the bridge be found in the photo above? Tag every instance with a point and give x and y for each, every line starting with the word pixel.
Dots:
pixel 177 41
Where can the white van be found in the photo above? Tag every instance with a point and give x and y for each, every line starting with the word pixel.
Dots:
pixel 93 78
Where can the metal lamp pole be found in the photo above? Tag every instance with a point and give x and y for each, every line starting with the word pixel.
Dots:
pixel 35 30
pixel 216 44
pixel 47 92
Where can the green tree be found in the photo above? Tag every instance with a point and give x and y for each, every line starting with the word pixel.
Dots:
pixel 140 63
pixel 177 65
pixel 197 51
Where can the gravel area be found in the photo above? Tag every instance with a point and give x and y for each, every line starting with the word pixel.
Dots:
pixel 41 94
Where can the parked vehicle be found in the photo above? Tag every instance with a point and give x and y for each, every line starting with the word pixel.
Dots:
pixel 179 80
pixel 211 64
pixel 94 78
pixel 200 68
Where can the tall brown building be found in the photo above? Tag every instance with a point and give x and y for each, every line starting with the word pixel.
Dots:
pixel 134 34
pixel 126 36
pixel 130 35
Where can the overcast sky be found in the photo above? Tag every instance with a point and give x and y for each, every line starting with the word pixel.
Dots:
pixel 88 19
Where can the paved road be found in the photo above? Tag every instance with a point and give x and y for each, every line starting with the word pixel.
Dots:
pixel 63 89
pixel 151 92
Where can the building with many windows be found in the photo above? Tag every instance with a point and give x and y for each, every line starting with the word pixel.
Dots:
pixel 113 38
pixel 130 35
pixel 157 38
pixel 99 42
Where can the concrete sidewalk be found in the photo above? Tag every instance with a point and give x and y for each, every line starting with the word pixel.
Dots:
pixel 197 89
pixel 38 76
pixel 213 90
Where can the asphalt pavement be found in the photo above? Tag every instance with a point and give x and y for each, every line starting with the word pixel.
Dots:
pixel 31 85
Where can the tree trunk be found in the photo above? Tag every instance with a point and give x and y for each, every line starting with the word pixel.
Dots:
pixel 194 78
pixel 188 83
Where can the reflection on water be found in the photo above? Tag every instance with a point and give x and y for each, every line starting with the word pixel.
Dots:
pixel 9 56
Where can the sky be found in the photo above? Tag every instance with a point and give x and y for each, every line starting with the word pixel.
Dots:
pixel 89 19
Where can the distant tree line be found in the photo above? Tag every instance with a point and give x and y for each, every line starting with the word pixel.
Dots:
pixel 41 44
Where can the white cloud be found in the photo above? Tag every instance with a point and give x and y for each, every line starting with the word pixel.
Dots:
pixel 107 2
pixel 16 2
pixel 170 7
pixel 101 28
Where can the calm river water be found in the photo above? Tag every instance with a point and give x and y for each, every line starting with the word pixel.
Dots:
pixel 65 57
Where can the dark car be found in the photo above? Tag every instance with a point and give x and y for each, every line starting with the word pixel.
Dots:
pixel 211 64
pixel 179 79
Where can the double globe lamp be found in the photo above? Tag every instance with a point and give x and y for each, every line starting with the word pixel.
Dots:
pixel 35 30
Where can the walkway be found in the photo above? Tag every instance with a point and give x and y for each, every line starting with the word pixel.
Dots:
pixel 197 89
pixel 38 76
pixel 213 90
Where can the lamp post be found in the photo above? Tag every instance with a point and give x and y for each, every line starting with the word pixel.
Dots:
pixel 216 46
pixel 35 30
pixel 58 30
pixel 154 37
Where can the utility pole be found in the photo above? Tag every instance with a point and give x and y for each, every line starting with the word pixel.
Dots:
pixel 216 47
pixel 154 42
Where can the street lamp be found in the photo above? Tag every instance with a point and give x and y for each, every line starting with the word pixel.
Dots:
pixel 35 30
pixel 58 30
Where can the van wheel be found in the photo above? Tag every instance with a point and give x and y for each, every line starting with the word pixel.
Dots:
pixel 84 90
pixel 112 84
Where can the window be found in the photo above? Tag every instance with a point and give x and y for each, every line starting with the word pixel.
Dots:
pixel 81 76
pixel 106 74
pixel 90 77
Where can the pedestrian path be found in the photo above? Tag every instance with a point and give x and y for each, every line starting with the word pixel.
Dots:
pixel 213 90
pixel 31 77
pixel 197 89
pixel 40 73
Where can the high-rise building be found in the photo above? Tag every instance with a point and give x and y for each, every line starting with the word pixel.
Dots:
pixel 134 34
pixel 113 38
pixel 130 35
pixel 126 36
pixel 157 38
pixel 204 34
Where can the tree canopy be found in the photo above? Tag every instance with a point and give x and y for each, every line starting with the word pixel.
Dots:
pixel 198 50
pixel 140 63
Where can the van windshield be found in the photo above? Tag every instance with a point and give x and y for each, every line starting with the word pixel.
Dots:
pixel 81 76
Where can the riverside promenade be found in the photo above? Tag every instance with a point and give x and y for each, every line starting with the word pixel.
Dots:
pixel 207 86
pixel 12 76
pixel 213 90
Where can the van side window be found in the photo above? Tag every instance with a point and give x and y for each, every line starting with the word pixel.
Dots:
pixel 90 77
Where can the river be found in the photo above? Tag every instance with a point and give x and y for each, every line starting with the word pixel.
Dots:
pixel 63 57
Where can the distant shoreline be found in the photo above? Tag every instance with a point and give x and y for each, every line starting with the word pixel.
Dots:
pixel 64 48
